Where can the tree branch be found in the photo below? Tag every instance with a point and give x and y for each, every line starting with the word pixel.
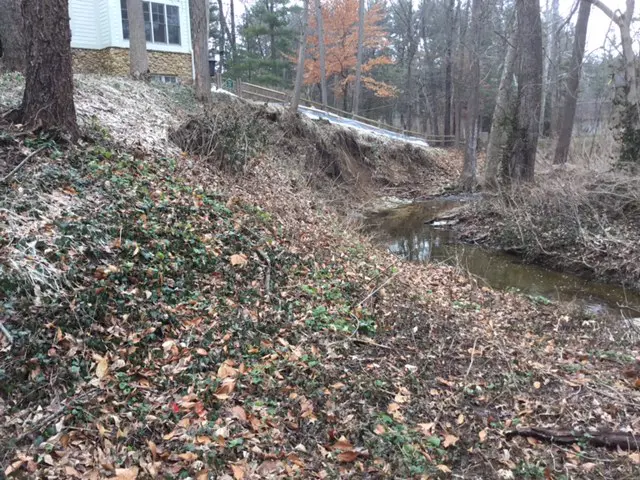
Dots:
pixel 617 19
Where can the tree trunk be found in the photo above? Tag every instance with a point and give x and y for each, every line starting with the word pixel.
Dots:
pixel 448 76
pixel 356 94
pixel 523 141
pixel 223 25
pixel 233 30
pixel 468 178
pixel 569 113
pixel 138 57
pixel 554 68
pixel 323 56
pixel 12 45
pixel 301 54
pixel 545 72
pixel 199 14
pixel 47 103
pixel 501 114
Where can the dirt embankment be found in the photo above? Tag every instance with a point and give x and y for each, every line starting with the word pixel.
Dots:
pixel 584 222
pixel 168 319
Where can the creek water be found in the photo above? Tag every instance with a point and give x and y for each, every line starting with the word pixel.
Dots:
pixel 407 232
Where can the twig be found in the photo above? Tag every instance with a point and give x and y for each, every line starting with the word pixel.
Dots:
pixel 10 174
pixel 6 333
pixel 377 289
pixel 473 352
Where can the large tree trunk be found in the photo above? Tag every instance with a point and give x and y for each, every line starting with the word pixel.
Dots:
pixel 468 179
pixel 356 94
pixel 199 14
pixel 569 113
pixel 138 57
pixel 448 76
pixel 48 95
pixel 12 46
pixel 323 55
pixel 301 54
pixel 501 113
pixel 524 138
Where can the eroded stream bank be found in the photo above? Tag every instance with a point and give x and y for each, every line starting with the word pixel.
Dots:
pixel 420 232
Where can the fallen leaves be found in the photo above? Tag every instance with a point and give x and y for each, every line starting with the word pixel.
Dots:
pixel 102 367
pixel 126 473
pixel 450 440
pixel 239 260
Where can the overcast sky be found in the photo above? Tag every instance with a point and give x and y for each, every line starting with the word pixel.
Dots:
pixel 599 23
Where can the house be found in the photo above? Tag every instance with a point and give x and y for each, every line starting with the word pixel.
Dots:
pixel 100 38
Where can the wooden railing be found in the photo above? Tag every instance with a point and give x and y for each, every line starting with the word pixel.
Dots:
pixel 263 94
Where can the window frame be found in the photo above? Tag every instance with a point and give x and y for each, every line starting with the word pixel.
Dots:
pixel 149 24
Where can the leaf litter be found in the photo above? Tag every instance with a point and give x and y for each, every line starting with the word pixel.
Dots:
pixel 152 353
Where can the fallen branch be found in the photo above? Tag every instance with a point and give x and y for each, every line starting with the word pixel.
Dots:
pixel 622 440
pixel 32 154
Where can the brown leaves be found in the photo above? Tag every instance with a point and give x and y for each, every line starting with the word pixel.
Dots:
pixel 347 452
pixel 102 367
pixel 238 471
pixel 239 414
pixel 126 473
pixel 238 260
pixel 449 440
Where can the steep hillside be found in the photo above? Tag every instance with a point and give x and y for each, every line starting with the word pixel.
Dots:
pixel 164 318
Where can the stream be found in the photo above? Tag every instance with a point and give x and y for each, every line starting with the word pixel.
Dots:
pixel 406 231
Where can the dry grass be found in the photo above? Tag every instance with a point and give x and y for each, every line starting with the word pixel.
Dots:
pixel 597 152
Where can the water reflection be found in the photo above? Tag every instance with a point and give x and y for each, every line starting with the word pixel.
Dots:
pixel 404 231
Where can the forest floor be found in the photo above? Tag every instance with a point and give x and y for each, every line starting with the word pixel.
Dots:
pixel 172 315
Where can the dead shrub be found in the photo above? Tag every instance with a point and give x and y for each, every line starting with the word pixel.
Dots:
pixel 584 222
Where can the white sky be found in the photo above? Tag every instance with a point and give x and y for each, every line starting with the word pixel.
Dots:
pixel 599 23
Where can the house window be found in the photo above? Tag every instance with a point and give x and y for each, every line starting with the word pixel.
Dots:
pixel 161 22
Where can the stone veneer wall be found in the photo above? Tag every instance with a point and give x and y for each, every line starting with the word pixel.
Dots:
pixel 115 61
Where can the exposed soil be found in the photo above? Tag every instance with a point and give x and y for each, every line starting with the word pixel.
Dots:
pixel 172 320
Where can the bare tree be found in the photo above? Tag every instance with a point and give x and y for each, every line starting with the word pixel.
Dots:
pixel 323 55
pixel 232 38
pixel 448 75
pixel 468 179
pixel 553 72
pixel 138 56
pixel 199 13
pixel 301 55
pixel 12 46
pixel 569 112
pixel 48 95
pixel 523 141
pixel 356 95
pixel 501 114
pixel 623 21
pixel 223 28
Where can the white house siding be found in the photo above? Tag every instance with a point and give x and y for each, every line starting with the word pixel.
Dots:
pixel 102 7
pixel 85 25
pixel 97 24
pixel 185 41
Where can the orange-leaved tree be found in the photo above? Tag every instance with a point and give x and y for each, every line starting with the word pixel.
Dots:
pixel 340 22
